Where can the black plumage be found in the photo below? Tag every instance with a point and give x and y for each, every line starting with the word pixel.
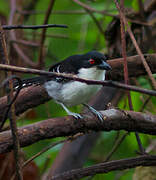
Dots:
pixel 91 65
pixel 70 65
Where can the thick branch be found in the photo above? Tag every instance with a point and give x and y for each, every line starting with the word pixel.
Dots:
pixel 65 126
pixel 135 67
pixel 107 167
pixel 27 99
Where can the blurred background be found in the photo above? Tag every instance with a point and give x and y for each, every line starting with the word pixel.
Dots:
pixel 94 27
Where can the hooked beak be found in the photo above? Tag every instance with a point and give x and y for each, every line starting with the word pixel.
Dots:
pixel 104 66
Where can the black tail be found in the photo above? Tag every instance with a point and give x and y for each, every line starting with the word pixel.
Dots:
pixel 31 81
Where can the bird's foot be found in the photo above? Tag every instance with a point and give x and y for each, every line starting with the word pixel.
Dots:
pixel 76 115
pixel 95 112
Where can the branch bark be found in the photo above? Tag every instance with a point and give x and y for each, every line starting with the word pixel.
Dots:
pixel 107 167
pixel 28 98
pixel 113 120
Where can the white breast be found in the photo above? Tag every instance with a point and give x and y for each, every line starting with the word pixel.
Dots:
pixel 92 73
pixel 74 93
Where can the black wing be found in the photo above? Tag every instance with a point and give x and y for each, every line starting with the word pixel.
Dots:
pixel 68 66
pixel 39 80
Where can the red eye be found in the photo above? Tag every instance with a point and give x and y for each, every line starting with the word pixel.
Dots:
pixel 91 61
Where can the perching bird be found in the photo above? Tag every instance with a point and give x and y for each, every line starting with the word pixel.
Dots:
pixel 91 65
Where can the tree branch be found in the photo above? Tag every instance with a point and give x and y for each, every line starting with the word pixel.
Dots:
pixel 135 67
pixel 66 126
pixel 106 167
pixel 27 99
pixel 76 78
pixel 11 27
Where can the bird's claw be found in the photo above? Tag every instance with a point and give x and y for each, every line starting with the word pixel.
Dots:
pixel 95 112
pixel 76 115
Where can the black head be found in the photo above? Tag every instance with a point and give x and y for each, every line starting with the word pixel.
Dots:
pixel 94 59
pixel 74 63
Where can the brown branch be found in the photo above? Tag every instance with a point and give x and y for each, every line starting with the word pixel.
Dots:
pixel 66 126
pixel 27 99
pixel 134 65
pixel 50 35
pixel 99 26
pixel 19 51
pixel 141 8
pixel 146 66
pixel 60 12
pixel 85 6
pixel 26 43
pixel 76 78
pixel 12 99
pixel 43 35
pixel 130 16
pixel 12 116
pixel 107 167
pixel 126 76
pixel 40 153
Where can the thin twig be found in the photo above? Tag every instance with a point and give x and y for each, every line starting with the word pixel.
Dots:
pixel 75 78
pixel 4 83
pixel 26 43
pixel 145 104
pixel 66 12
pixel 136 46
pixel 34 27
pixel 39 153
pixel 103 12
pixel 92 9
pixel 96 22
pixel 141 8
pixel 43 35
pixel 126 77
pixel 46 149
pixel 42 151
pixel 13 118
pixel 19 51
pixel 50 35
pixel 116 145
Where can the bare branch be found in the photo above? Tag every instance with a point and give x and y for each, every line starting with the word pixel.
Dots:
pixel 43 35
pixel 28 98
pixel 76 78
pixel 107 167
pixel 126 76
pixel 65 126
pixel 12 117
pixel 146 66
pixel 11 27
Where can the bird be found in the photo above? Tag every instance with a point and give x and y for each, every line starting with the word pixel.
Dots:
pixel 91 65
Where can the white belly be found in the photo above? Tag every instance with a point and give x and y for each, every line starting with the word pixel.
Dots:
pixel 78 93
pixel 74 93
